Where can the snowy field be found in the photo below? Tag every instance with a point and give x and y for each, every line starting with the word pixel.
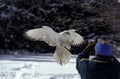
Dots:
pixel 36 67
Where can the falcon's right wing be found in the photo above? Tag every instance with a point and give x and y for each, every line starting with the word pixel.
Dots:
pixel 42 34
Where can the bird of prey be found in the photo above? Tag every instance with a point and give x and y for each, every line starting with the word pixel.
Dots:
pixel 62 41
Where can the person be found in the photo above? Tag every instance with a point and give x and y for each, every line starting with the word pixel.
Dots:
pixel 102 66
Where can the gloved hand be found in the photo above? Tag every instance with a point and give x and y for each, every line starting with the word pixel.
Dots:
pixel 89 47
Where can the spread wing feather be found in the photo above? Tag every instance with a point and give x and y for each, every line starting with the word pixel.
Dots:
pixel 35 34
pixel 75 38
pixel 72 37
pixel 43 34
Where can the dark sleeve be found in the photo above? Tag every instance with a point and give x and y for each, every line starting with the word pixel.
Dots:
pixel 82 62
pixel 119 71
pixel 82 56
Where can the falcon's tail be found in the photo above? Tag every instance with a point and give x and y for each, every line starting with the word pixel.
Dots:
pixel 62 55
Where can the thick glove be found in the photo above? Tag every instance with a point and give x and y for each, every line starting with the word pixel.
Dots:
pixel 89 47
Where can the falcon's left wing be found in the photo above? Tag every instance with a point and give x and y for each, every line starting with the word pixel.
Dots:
pixel 75 38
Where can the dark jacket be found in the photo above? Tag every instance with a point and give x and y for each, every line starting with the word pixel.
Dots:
pixel 100 67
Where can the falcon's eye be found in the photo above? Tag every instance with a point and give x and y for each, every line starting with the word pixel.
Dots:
pixel 68 33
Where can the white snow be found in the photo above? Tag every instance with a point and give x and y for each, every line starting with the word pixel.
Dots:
pixel 11 69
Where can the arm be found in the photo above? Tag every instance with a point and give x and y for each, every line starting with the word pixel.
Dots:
pixel 83 60
pixel 84 55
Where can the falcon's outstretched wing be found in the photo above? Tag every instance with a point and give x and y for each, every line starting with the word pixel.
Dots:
pixel 45 34
pixel 72 37
pixel 76 38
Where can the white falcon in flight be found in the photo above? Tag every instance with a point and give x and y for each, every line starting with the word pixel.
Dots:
pixel 63 41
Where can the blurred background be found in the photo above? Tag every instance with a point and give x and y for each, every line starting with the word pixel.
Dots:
pixel 91 18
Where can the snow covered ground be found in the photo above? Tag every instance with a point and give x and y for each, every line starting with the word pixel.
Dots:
pixel 36 67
